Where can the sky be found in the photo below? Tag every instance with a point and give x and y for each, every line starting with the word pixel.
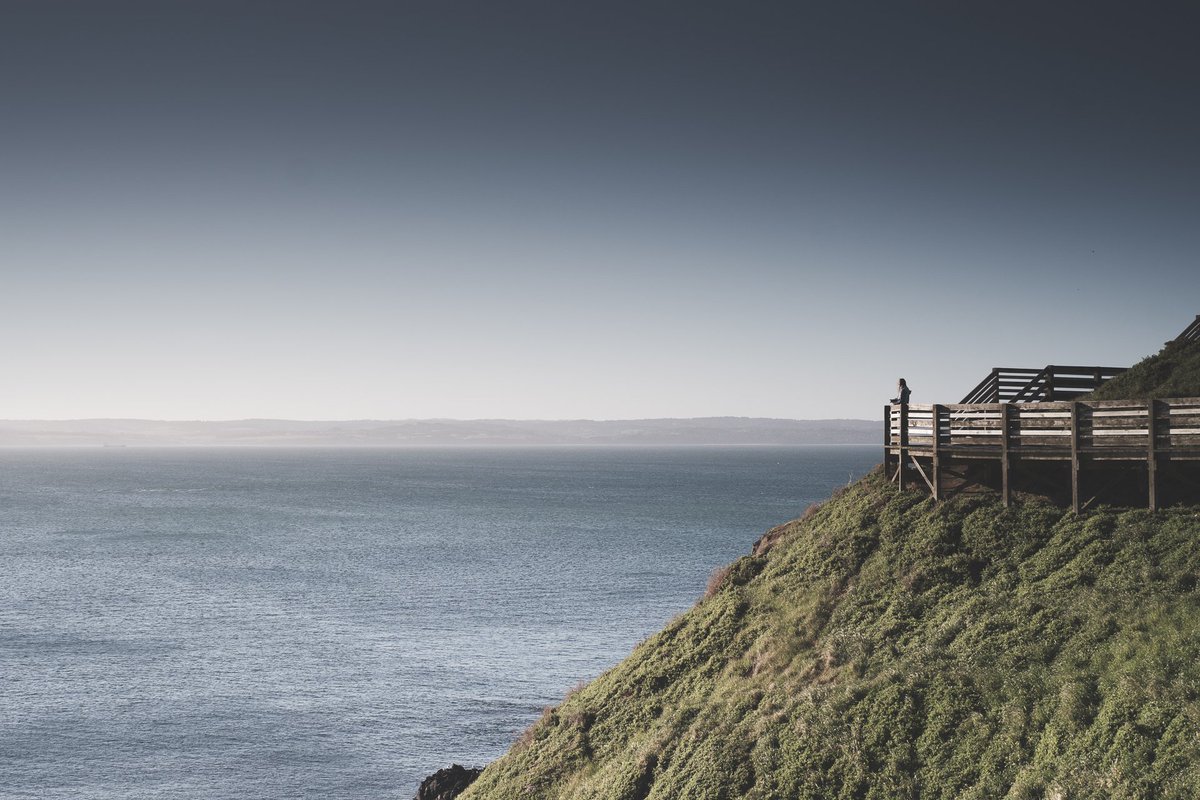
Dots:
pixel 559 210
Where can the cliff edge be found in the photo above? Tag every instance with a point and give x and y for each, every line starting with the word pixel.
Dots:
pixel 884 646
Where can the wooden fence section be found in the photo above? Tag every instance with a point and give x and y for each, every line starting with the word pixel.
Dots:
pixel 1064 383
pixel 1190 334
pixel 1079 432
pixel 1000 384
pixel 1051 382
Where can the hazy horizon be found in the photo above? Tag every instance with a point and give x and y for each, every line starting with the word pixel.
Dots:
pixel 654 432
pixel 536 210
pixel 426 419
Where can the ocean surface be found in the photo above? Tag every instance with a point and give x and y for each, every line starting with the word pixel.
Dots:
pixel 339 623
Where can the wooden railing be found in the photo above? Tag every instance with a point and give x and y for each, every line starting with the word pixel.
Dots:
pixel 1055 383
pixel 1081 432
pixel 1018 414
pixel 1117 429
pixel 1052 382
pixel 1190 334
pixel 1000 385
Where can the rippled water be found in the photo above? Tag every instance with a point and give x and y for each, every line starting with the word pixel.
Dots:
pixel 329 624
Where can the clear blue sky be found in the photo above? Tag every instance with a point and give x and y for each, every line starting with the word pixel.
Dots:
pixel 557 210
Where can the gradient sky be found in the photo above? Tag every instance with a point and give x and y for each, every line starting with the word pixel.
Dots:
pixel 215 210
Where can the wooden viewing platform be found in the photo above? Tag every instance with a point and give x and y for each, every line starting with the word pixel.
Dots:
pixel 1025 429
pixel 1085 436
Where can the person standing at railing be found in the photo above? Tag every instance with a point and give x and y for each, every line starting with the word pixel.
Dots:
pixel 902 393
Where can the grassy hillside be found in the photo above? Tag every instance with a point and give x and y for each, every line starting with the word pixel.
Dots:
pixel 885 647
pixel 1172 372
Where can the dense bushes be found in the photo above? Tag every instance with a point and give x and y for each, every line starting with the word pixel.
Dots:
pixel 1173 372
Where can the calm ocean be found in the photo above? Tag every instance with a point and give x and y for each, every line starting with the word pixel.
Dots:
pixel 336 623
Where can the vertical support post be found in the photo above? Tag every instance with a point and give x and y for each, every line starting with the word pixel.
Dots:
pixel 937 457
pixel 903 444
pixel 1005 491
pixel 1152 455
pixel 887 443
pixel 1075 456
pixel 1049 385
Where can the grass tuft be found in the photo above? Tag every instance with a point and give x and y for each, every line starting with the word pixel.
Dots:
pixel 716 580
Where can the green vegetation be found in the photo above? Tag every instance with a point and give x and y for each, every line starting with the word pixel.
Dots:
pixel 883 646
pixel 1172 372
pixel 887 647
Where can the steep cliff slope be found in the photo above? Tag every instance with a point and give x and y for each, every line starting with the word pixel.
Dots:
pixel 885 647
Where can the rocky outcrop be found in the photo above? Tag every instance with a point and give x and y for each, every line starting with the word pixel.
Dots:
pixel 446 784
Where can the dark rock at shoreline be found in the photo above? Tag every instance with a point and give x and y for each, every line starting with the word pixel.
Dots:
pixel 446 784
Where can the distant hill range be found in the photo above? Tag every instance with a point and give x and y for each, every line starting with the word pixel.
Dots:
pixel 703 430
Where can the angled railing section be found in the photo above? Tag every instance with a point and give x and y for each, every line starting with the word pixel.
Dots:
pixel 1001 384
pixel 1050 383
pixel 1190 334
pixel 1055 383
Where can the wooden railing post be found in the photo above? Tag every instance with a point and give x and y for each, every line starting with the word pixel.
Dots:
pixel 1075 456
pixel 887 441
pixel 903 445
pixel 1151 455
pixel 1005 491
pixel 937 459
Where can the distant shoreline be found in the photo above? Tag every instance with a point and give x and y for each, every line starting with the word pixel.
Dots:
pixel 703 431
pixel 450 446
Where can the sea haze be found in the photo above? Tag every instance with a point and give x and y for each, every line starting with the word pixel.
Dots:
pixel 325 623
pixel 393 433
